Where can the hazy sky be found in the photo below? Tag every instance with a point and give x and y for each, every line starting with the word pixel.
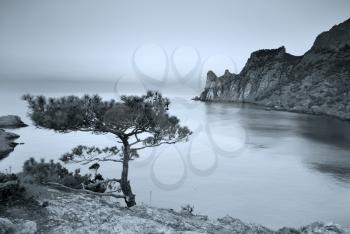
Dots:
pixel 85 39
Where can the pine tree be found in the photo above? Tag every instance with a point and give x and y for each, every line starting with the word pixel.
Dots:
pixel 138 122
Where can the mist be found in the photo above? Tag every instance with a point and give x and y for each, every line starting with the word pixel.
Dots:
pixel 103 40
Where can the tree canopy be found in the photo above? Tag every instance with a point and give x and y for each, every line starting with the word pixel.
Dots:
pixel 131 116
pixel 138 122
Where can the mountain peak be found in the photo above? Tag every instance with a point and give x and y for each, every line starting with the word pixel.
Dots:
pixel 336 38
pixel 269 52
pixel 211 75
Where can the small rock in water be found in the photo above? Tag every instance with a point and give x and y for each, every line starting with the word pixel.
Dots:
pixel 11 121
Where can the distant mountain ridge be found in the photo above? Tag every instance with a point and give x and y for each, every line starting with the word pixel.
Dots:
pixel 317 82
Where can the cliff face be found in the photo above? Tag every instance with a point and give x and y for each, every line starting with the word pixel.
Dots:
pixel 317 82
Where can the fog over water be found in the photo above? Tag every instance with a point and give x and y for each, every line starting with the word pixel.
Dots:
pixel 89 40
pixel 268 167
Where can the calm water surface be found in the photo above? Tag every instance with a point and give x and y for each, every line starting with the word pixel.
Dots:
pixel 273 168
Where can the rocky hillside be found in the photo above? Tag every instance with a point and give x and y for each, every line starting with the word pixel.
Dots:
pixel 317 82
pixel 65 212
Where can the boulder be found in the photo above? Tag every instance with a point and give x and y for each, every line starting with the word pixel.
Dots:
pixel 21 226
pixel 26 227
pixel 6 226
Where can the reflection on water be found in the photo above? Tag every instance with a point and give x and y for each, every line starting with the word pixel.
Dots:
pixel 326 130
pixel 328 134
pixel 339 172
pixel 269 167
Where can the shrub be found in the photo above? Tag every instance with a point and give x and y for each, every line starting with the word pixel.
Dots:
pixel 10 190
pixel 42 172
pixel 187 209
pixel 7 177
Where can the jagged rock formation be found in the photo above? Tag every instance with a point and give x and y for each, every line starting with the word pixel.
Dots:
pixel 317 82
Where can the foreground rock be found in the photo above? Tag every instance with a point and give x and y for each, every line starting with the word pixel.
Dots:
pixel 7 143
pixel 66 212
pixel 11 121
pixel 20 227
pixel 317 82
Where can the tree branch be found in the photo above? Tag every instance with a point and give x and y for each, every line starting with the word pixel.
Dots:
pixel 155 145
pixel 7 184
pixel 87 161
pixel 107 181
pixel 83 190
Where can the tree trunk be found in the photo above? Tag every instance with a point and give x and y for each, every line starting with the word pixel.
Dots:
pixel 124 182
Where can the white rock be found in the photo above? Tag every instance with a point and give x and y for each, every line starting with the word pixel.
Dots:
pixel 6 226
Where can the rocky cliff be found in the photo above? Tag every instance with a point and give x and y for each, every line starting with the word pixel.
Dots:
pixel 317 82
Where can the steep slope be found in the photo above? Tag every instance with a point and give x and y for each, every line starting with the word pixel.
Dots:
pixel 317 82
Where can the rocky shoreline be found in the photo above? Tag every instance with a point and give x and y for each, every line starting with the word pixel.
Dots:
pixel 7 139
pixel 274 108
pixel 7 144
pixel 317 82
pixel 67 212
